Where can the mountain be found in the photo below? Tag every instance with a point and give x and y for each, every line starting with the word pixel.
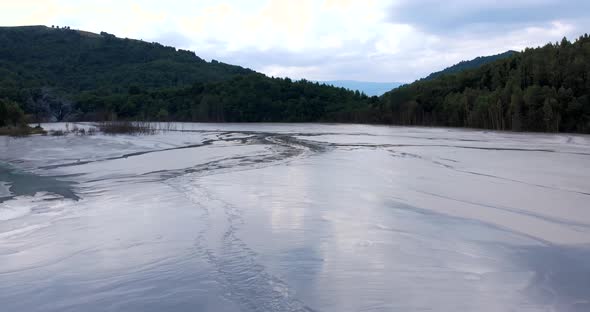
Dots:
pixel 540 89
pixel 66 74
pixel 366 87
pixel 475 63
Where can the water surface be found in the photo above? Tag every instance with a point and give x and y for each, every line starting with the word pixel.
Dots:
pixel 295 217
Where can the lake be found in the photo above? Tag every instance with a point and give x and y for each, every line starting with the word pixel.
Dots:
pixel 295 217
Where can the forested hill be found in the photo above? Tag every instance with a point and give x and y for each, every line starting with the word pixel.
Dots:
pixel 75 61
pixel 474 63
pixel 540 89
pixel 65 74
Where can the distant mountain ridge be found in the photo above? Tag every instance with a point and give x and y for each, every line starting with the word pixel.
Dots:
pixel 474 63
pixel 367 87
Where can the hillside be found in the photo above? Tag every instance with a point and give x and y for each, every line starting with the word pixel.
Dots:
pixel 76 61
pixel 475 63
pixel 64 74
pixel 540 89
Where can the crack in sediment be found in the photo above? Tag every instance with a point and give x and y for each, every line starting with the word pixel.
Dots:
pixel 546 218
pixel 255 137
pixel 282 147
pixel 523 182
pixel 515 149
pixel 403 206
pixel 404 154
pixel 84 162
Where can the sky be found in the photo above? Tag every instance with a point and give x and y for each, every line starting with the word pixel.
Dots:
pixel 368 40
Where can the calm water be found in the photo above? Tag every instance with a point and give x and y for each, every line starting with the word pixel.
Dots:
pixel 284 217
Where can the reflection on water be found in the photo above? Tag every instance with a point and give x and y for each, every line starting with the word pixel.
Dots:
pixel 286 217
pixel 15 182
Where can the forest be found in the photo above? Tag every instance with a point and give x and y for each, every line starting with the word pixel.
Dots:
pixel 60 74
pixel 539 89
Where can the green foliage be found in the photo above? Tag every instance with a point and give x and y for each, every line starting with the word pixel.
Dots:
pixel 542 89
pixel 11 115
pixel 75 61
pixel 13 120
pixel 249 98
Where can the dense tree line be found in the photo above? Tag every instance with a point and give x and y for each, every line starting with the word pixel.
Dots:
pixel 249 98
pixel 542 89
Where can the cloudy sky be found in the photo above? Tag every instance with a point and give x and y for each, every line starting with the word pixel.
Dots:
pixel 370 40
